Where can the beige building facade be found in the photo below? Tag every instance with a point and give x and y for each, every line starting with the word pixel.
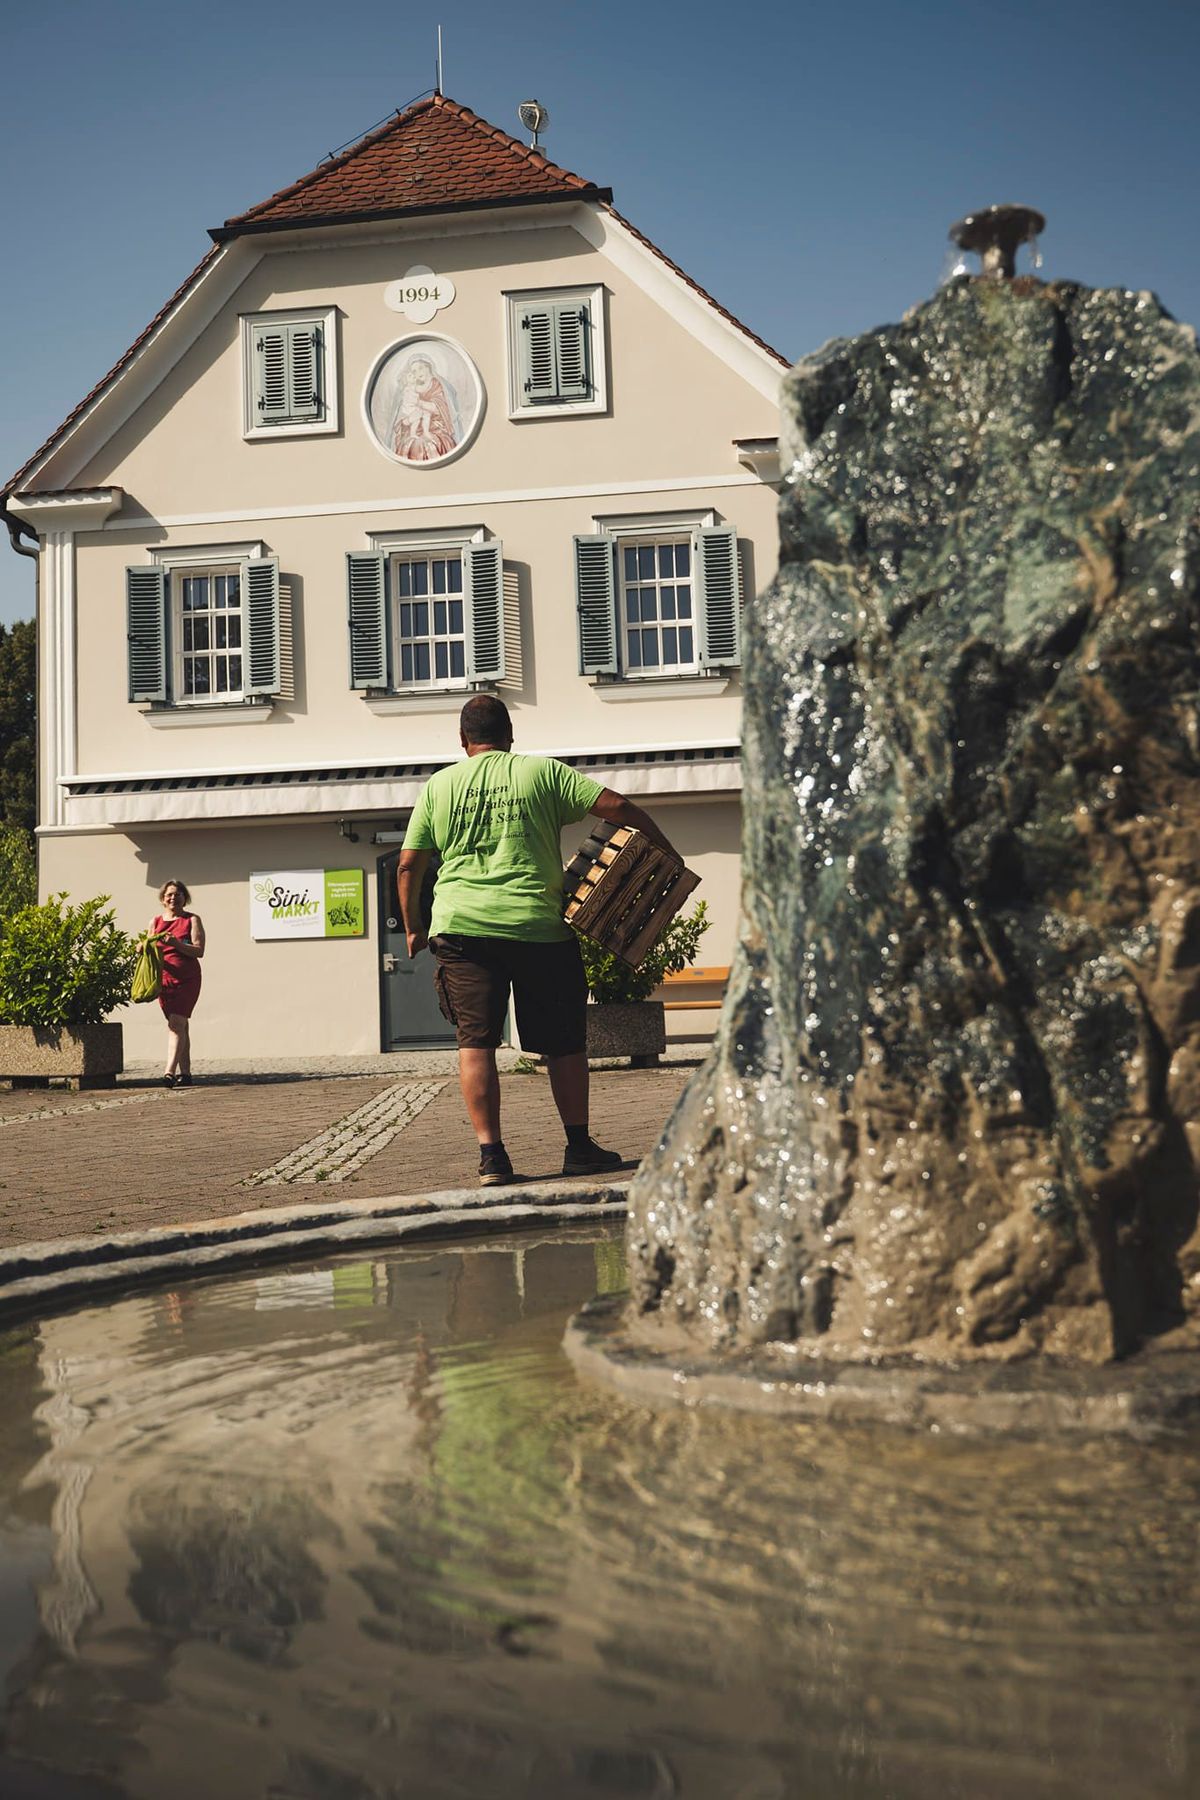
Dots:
pixel 436 419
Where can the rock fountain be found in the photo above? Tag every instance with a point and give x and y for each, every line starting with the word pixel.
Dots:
pixel 943 1159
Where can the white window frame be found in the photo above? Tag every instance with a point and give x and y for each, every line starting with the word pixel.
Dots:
pixel 326 318
pixel 628 530
pixel 520 409
pixel 399 546
pixel 220 559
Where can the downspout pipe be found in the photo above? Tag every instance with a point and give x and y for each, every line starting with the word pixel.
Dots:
pixel 15 527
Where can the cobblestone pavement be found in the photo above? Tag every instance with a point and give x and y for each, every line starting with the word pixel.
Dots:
pixel 107 1160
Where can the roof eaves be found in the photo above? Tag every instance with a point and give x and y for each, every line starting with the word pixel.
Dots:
pixel 222 234
pixel 697 289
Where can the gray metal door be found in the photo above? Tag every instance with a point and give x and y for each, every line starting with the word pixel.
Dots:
pixel 409 1014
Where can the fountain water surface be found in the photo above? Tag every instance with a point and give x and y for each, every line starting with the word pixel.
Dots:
pixel 353 1531
pixel 953 1109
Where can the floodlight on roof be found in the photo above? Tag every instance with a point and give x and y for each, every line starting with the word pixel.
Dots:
pixel 534 117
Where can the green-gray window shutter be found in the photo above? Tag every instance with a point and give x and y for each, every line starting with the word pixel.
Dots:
pixel 483 610
pixel 573 345
pixel 305 369
pixel 146 632
pixel 260 620
pixel 288 373
pixel 368 634
pixel 719 612
pixel 271 397
pixel 555 349
pixel 595 598
pixel 535 340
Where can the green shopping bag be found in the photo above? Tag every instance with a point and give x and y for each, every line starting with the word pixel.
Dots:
pixel 147 971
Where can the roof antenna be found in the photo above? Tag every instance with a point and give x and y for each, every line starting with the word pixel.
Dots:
pixel 437 86
pixel 535 118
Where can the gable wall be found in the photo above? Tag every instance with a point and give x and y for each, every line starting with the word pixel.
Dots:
pixel 675 407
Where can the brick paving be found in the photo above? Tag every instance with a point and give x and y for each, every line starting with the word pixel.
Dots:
pixel 102 1160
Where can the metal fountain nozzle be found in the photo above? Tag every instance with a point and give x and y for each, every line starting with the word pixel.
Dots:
pixel 996 234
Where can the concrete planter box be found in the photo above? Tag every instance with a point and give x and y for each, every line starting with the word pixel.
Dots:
pixel 88 1056
pixel 633 1028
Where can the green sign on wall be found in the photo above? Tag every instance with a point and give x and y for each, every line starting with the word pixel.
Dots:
pixel 345 915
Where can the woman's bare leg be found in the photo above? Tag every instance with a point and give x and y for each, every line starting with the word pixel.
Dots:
pixel 179 1047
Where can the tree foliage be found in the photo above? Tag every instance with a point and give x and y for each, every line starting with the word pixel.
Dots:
pixel 18 871
pixel 18 727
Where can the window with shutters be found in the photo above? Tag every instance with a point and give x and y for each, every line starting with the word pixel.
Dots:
pixel 556 352
pixel 426 613
pixel 290 373
pixel 208 629
pixel 658 597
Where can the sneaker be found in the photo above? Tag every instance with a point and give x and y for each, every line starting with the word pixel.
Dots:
pixel 591 1160
pixel 495 1168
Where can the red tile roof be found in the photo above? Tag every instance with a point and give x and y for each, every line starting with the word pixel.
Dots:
pixel 434 155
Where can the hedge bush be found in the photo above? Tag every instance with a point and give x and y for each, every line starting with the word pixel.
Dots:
pixel 62 964
pixel 612 981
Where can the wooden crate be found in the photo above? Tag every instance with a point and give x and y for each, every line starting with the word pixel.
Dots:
pixel 622 892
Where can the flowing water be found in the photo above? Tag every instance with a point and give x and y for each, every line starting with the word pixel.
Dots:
pixel 355 1530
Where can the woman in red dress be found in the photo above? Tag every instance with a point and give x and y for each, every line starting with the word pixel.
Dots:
pixel 181 935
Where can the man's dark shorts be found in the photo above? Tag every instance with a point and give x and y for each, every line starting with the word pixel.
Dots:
pixel 549 990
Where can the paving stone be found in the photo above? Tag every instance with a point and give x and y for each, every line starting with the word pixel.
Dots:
pixel 79 1164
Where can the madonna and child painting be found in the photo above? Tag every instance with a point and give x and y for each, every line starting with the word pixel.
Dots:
pixel 424 400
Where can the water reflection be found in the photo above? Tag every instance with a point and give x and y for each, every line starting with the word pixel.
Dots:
pixel 354 1531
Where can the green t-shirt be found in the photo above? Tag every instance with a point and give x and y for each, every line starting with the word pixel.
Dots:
pixel 495 819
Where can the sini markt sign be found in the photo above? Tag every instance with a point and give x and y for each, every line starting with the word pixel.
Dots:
pixel 307 903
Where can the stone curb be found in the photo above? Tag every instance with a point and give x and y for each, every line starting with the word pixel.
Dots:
pixel 69 1269
pixel 1021 1400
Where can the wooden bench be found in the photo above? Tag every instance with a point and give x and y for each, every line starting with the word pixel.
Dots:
pixel 677 989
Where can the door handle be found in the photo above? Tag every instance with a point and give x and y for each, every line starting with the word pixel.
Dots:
pixel 390 963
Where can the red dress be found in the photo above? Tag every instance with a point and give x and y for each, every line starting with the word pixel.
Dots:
pixel 180 974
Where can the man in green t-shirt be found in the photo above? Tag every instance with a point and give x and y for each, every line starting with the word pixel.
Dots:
pixel 495 820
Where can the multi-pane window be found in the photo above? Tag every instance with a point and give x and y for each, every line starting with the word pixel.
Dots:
pixel 430 635
pixel 655 606
pixel 208 621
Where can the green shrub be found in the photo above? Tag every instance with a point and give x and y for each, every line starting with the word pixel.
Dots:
pixel 611 980
pixel 18 871
pixel 62 964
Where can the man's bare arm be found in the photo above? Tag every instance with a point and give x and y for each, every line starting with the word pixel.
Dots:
pixel 617 810
pixel 410 878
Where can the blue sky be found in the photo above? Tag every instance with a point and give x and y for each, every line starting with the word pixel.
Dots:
pixel 801 162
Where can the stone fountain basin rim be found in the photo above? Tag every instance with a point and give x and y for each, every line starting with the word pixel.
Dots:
pixel 37 1278
pixel 1031 1399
